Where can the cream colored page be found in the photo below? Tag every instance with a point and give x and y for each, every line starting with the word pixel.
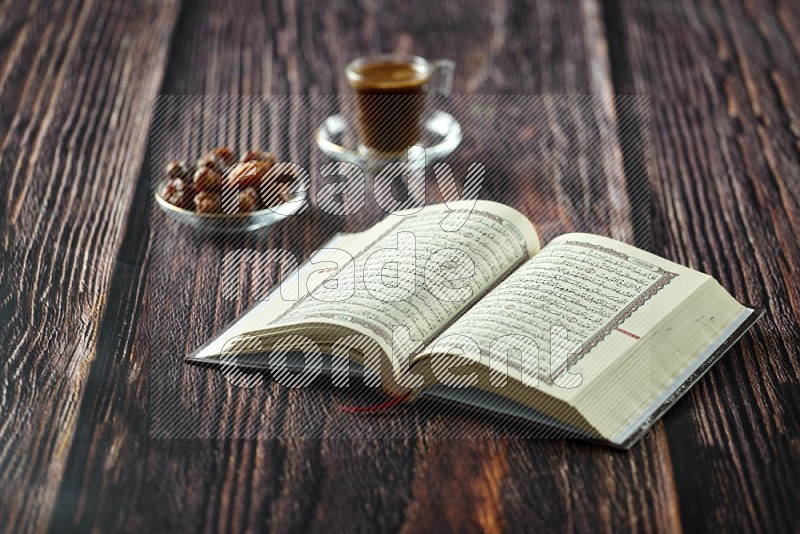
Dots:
pixel 266 311
pixel 601 295
pixel 448 271
pixel 637 379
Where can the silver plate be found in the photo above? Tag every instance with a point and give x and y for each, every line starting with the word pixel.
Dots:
pixel 441 136
pixel 231 223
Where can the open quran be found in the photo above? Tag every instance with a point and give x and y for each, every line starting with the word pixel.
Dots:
pixel 585 336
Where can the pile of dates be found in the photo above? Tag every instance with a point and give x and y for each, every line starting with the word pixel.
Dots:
pixel 218 175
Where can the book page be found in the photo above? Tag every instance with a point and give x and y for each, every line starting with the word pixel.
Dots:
pixel 265 311
pixel 419 274
pixel 577 304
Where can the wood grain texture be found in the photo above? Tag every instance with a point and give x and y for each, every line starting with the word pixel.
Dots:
pixel 75 109
pixel 95 316
pixel 726 189
pixel 361 484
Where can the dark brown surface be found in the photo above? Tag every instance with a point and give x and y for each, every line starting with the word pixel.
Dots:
pixel 79 326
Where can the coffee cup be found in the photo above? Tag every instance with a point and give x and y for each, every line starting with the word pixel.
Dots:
pixel 390 92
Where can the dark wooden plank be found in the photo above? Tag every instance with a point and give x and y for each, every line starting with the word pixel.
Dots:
pixel 117 475
pixel 726 186
pixel 74 112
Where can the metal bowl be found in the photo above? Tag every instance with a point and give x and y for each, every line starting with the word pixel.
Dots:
pixel 231 223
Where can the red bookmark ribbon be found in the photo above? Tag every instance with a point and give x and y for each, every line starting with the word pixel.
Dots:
pixel 629 334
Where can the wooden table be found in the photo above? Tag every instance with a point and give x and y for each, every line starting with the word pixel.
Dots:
pixel 77 84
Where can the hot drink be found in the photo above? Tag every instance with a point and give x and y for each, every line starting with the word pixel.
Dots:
pixel 389 99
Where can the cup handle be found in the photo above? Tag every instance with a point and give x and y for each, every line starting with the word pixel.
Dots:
pixel 441 81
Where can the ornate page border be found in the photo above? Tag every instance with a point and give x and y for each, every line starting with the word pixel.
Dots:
pixel 626 312
pixel 395 228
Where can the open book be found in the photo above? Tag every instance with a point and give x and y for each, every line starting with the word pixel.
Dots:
pixel 460 302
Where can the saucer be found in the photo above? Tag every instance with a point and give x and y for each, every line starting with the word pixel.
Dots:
pixel 441 135
pixel 231 223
